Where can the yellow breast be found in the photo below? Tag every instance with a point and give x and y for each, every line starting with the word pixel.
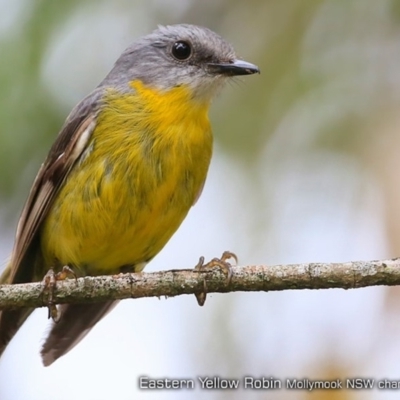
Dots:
pixel 142 170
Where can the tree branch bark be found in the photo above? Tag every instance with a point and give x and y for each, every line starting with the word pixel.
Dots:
pixel 255 278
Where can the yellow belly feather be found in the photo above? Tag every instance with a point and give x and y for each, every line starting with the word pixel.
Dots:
pixel 143 168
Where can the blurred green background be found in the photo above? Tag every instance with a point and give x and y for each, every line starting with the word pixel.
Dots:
pixel 305 169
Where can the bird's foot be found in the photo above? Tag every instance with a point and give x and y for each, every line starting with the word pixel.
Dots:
pixel 50 282
pixel 221 263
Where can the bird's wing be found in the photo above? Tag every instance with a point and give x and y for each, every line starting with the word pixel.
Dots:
pixel 68 147
pixel 63 155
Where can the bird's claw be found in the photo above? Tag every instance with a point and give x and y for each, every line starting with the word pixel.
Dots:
pixel 221 263
pixel 50 282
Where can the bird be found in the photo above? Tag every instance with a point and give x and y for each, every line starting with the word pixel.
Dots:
pixel 125 169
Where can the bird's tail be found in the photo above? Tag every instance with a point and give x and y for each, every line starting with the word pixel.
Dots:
pixel 10 320
pixel 75 323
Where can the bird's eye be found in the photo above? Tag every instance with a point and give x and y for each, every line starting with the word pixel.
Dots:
pixel 181 50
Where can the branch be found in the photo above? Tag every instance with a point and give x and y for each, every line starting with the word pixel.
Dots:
pixel 257 278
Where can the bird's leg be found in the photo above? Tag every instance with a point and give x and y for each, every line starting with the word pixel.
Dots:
pixel 221 263
pixel 50 282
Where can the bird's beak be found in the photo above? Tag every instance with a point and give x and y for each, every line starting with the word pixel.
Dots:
pixel 235 67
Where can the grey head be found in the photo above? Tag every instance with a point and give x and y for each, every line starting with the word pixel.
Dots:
pixel 178 55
